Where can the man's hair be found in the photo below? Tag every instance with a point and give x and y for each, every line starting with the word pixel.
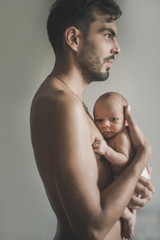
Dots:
pixel 77 13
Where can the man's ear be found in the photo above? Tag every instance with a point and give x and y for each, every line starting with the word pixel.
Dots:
pixel 73 38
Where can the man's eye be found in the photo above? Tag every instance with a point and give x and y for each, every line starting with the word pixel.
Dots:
pixel 107 35
pixel 114 119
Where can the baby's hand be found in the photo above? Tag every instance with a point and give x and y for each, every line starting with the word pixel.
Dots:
pixel 100 146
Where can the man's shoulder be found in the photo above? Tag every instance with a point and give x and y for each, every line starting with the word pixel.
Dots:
pixel 66 100
pixel 56 101
pixel 60 112
pixel 67 105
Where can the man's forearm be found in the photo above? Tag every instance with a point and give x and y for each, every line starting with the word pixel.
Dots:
pixel 116 197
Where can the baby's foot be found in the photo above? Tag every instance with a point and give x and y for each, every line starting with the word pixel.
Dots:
pixel 128 226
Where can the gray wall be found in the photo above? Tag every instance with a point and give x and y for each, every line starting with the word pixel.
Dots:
pixel 25 59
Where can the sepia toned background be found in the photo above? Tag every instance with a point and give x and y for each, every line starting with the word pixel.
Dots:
pixel 26 58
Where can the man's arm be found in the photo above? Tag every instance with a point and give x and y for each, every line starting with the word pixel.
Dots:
pixel 144 186
pixel 90 212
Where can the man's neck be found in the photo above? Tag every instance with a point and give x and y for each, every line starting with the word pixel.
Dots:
pixel 71 76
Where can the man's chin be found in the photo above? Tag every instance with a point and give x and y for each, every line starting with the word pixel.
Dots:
pixel 97 77
pixel 102 77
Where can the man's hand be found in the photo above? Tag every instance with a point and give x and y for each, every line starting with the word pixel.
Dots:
pixel 139 141
pixel 145 188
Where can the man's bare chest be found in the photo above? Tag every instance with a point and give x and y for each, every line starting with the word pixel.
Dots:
pixel 103 166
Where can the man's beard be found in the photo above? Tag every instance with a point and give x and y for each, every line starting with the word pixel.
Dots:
pixel 90 64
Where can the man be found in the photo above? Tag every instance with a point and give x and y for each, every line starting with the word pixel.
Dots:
pixel 78 183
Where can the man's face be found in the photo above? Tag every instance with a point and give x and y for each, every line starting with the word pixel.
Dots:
pixel 99 49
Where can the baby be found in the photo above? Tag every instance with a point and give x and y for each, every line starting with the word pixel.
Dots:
pixel 117 147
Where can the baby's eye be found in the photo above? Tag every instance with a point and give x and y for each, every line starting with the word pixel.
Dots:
pixel 98 120
pixel 114 119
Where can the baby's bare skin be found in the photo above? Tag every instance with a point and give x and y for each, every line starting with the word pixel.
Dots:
pixel 102 147
pixel 117 146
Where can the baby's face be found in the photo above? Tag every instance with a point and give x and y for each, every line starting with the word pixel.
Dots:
pixel 109 117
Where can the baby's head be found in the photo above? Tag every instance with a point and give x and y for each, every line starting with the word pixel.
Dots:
pixel 109 114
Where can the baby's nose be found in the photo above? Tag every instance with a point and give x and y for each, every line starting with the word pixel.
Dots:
pixel 106 124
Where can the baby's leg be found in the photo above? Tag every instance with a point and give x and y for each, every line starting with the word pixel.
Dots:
pixel 128 223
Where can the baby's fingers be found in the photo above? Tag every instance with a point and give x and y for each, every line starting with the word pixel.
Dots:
pixel 95 145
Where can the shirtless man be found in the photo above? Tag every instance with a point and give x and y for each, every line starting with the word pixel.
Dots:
pixel 78 182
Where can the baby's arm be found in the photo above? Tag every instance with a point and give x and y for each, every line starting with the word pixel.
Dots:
pixel 118 156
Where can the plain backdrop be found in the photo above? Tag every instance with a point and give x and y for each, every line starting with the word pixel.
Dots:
pixel 26 58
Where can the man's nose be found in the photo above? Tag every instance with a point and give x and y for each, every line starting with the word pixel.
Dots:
pixel 115 49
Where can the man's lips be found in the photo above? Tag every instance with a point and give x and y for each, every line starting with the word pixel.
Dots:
pixel 109 62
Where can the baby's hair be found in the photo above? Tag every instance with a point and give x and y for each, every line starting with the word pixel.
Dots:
pixel 107 95
pixel 112 94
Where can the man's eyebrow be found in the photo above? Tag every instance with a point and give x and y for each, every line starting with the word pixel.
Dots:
pixel 109 30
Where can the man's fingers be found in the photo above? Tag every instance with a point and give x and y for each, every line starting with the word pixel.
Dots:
pixel 138 139
pixel 137 203
pixel 128 116
pixel 149 169
pixel 144 182
pixel 144 190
